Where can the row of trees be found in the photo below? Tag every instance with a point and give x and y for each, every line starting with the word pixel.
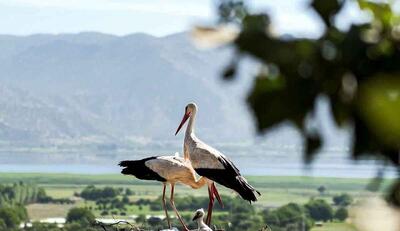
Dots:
pixel 93 193
pixel 24 193
pixel 19 193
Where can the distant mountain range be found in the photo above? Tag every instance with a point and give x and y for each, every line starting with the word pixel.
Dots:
pixel 93 87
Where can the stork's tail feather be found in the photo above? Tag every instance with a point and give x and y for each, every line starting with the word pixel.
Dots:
pixel 139 169
pixel 130 166
pixel 245 190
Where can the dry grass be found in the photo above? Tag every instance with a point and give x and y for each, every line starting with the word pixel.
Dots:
pixel 39 211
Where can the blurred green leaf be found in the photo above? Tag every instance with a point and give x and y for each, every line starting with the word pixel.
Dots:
pixel 256 23
pixel 270 100
pixel 327 8
pixel 382 11
pixel 379 107
pixel 357 69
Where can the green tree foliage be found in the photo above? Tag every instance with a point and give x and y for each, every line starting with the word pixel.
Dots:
pixel 129 192
pixel 80 226
pixel 357 70
pixel 319 210
pixel 93 193
pixel 288 217
pixel 125 200
pixel 9 217
pixel 3 225
pixel 141 219
pixel 342 199
pixel 244 216
pixel 80 215
pixel 19 193
pixel 37 226
pixel 12 217
pixel 321 189
pixel 23 193
pixel 341 214
pixel 156 223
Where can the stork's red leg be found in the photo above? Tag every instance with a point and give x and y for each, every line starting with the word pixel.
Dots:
pixel 210 205
pixel 165 207
pixel 176 211
pixel 215 192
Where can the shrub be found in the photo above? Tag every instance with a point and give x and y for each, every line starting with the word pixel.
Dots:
pixel 80 215
pixel 319 210
pixel 341 214
pixel 290 215
pixel 104 213
pixel 342 200
pixel 321 189
pixel 12 216
pixel 93 193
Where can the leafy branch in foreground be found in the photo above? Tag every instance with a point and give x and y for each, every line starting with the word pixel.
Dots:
pixel 357 70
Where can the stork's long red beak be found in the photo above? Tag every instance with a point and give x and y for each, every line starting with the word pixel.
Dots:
pixel 185 117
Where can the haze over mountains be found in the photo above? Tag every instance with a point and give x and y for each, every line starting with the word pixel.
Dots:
pixel 93 87
pixel 93 99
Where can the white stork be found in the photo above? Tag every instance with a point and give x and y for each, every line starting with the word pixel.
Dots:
pixel 168 170
pixel 212 164
pixel 198 216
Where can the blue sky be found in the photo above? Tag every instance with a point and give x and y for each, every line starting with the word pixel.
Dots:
pixel 157 17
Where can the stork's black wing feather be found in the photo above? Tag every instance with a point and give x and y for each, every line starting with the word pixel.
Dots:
pixel 230 177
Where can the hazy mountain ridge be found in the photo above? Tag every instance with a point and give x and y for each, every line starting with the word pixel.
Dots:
pixel 95 85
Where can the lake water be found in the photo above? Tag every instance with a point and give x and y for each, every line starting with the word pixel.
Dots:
pixel 267 162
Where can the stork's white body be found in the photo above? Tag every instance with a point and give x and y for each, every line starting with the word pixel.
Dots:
pixel 200 154
pixel 175 169
pixel 212 164
pixel 166 169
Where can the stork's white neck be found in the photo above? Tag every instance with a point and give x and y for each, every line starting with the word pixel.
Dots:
pixel 188 134
pixel 191 124
pixel 201 224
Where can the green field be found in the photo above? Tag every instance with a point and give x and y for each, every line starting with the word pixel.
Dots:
pixel 276 191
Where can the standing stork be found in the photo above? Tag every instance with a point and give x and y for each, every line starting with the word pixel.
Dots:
pixel 168 170
pixel 212 164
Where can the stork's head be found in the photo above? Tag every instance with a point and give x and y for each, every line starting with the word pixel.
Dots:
pixel 199 214
pixel 190 110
